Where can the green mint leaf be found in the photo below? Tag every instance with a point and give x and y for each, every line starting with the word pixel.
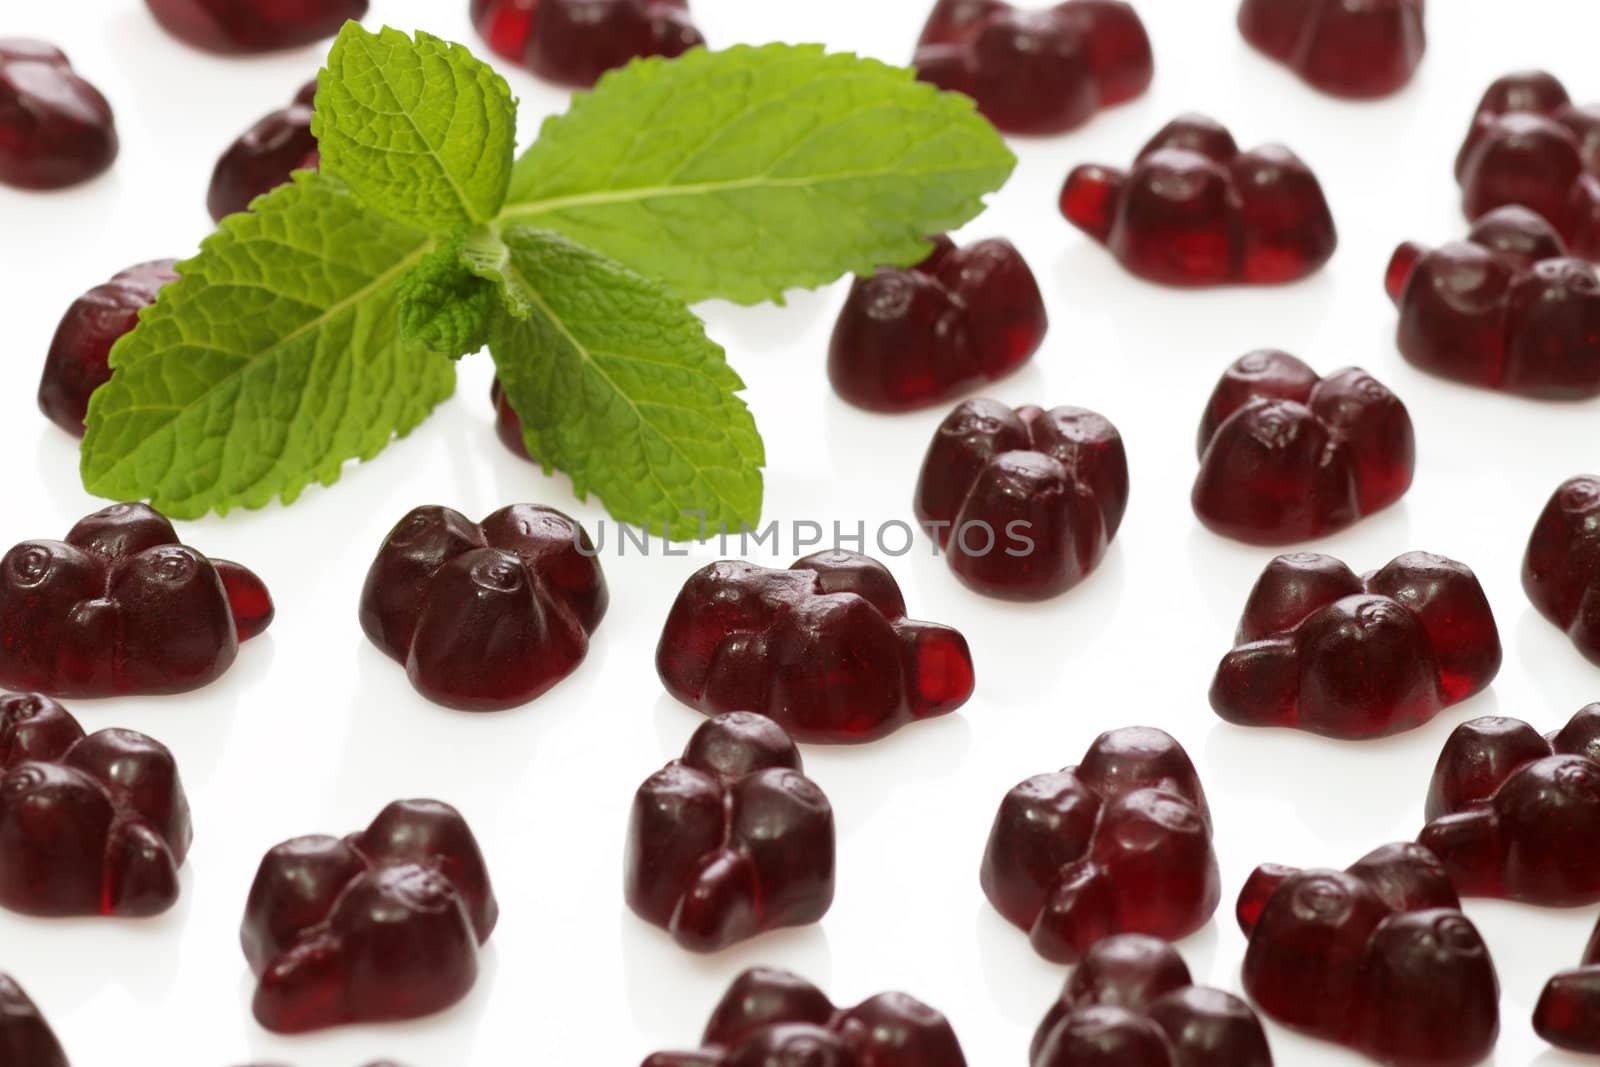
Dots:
pixel 743 173
pixel 617 385
pixel 444 306
pixel 420 130
pixel 273 359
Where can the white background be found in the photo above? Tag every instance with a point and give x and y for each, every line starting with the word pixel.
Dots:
pixel 314 730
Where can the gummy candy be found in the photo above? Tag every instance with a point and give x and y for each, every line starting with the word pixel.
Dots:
pixel 1568 1012
pixel 1561 571
pixel 1197 211
pixel 76 364
pixel 732 840
pixel 264 156
pixel 1530 145
pixel 121 606
pixel 1121 843
pixel 1361 50
pixel 772 1018
pixel 1505 309
pixel 507 423
pixel 573 42
pixel 1037 71
pixel 1025 502
pixel 1131 1003
pixel 95 825
pixel 485 615
pixel 1378 958
pixel 1287 456
pixel 913 338
pixel 56 129
pixel 26 1040
pixel 380 926
pixel 823 648
pixel 247 27
pixel 1322 650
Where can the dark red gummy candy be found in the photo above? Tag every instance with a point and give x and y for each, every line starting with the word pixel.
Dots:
pixel 485 615
pixel 1568 1012
pixel 121 606
pixel 913 338
pixel 771 1018
pixel 1037 71
pixel 1121 843
pixel 1132 1003
pixel 1286 455
pixel 1320 649
pixel 1377 957
pixel 56 129
pixel 379 926
pixel 1505 309
pixel 823 648
pixel 264 156
pixel 1024 502
pixel 1561 571
pixel 1359 50
pixel 573 42
pixel 1515 815
pixel 95 825
pixel 26 1040
pixel 732 840
pixel 1197 211
pixel 76 364
pixel 246 27
pixel 1531 145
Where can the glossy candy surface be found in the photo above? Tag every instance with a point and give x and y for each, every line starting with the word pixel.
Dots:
pixel 1286 455
pixel 1037 70
pixel 573 42
pixel 824 649
pixel 379 926
pixel 264 156
pixel 912 338
pixel 1323 650
pixel 248 27
pixel 1023 502
pixel 732 840
pixel 122 607
pixel 488 615
pixel 1121 843
pixel 1506 309
pixel 1561 570
pixel 1568 1012
pixel 26 1040
pixel 1357 50
pixel 772 1018
pixel 56 130
pixel 1197 211
pixel 1131 1003
pixel 95 825
pixel 76 363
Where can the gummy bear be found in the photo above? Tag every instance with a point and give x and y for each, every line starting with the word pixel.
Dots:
pixel 1378 958
pixel 1322 650
pixel 121 606
pixel 485 615
pixel 26 1040
pixel 1360 50
pixel 573 42
pixel 1024 503
pixel 380 926
pixel 913 338
pixel 1505 309
pixel 56 129
pixel 1132 1003
pixel 1037 71
pixel 732 840
pixel 772 1018
pixel 1561 571
pixel 1196 211
pixel 1287 456
pixel 95 825
pixel 1568 1012
pixel 1529 144
pixel 823 648
pixel 265 156
pixel 507 423
pixel 249 27
pixel 1513 814
pixel 76 365
pixel 1121 843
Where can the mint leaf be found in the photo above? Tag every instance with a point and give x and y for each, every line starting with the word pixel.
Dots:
pixel 617 385
pixel 420 131
pixel 444 306
pixel 743 173
pixel 274 359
